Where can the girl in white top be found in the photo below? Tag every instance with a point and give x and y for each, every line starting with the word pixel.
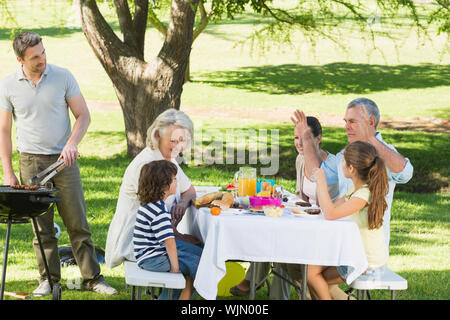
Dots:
pixel 365 204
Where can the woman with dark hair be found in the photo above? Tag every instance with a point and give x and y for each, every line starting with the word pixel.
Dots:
pixel 305 188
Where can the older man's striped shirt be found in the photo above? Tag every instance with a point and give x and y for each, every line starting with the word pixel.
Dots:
pixel 153 226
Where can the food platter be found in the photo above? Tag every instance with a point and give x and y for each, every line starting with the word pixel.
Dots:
pixel 300 208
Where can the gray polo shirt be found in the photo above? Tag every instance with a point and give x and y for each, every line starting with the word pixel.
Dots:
pixel 40 112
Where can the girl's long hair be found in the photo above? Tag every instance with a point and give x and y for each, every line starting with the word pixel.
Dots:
pixel 371 169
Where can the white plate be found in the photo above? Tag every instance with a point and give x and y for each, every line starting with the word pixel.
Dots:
pixel 307 216
pixel 232 211
pixel 292 201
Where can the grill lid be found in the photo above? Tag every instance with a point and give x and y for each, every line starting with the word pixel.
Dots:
pixel 41 190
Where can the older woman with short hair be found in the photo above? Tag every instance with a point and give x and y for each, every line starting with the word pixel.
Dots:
pixel 170 134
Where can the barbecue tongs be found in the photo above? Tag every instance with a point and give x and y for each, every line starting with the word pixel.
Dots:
pixel 51 171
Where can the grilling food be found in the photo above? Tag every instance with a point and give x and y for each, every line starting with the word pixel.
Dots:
pixel 208 198
pixel 226 202
pixel 24 187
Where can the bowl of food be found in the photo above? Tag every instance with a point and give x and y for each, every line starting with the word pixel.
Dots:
pixel 272 211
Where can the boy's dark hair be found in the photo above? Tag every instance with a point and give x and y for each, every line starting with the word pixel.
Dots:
pixel 155 180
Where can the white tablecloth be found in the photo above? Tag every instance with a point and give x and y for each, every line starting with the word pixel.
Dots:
pixel 300 239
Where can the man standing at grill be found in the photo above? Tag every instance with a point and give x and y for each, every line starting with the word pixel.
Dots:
pixel 38 97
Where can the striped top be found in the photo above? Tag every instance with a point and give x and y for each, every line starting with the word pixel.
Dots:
pixel 153 226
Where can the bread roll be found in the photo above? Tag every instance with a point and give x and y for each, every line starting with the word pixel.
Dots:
pixel 208 198
pixel 297 211
pixel 226 202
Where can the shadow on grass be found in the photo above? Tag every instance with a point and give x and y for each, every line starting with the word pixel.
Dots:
pixel 399 238
pixel 57 32
pixel 332 78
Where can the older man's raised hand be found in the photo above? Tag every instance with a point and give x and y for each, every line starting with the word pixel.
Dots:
pixel 366 125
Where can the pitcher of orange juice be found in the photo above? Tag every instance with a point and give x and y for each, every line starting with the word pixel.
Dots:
pixel 245 178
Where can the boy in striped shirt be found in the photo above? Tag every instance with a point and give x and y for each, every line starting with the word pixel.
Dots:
pixel 155 246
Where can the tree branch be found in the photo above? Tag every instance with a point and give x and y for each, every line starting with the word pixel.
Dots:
pixel 204 19
pixel 108 48
pixel 275 16
pixel 140 22
pixel 352 8
pixel 177 45
pixel 156 23
pixel 99 34
pixel 126 24
pixel 179 33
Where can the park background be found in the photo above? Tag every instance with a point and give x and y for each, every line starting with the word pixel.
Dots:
pixel 240 84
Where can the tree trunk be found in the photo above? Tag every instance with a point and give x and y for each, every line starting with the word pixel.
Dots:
pixel 187 74
pixel 144 89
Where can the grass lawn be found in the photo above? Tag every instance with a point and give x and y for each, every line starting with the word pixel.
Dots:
pixel 419 228
pixel 411 80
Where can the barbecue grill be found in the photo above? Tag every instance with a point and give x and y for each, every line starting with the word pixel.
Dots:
pixel 19 206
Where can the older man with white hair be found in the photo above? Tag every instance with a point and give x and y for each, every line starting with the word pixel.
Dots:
pixel 361 118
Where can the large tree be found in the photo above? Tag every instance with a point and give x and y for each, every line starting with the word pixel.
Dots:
pixel 145 89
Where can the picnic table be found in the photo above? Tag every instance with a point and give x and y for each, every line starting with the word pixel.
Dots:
pixel 291 238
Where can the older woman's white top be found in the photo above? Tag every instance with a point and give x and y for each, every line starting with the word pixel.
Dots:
pixel 119 243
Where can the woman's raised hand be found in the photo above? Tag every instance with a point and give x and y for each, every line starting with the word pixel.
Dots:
pixel 301 126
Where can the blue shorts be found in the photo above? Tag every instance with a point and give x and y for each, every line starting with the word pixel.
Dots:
pixel 371 274
pixel 188 260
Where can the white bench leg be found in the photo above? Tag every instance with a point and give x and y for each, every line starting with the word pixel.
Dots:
pixel 361 294
pixel 133 293
pixel 135 296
